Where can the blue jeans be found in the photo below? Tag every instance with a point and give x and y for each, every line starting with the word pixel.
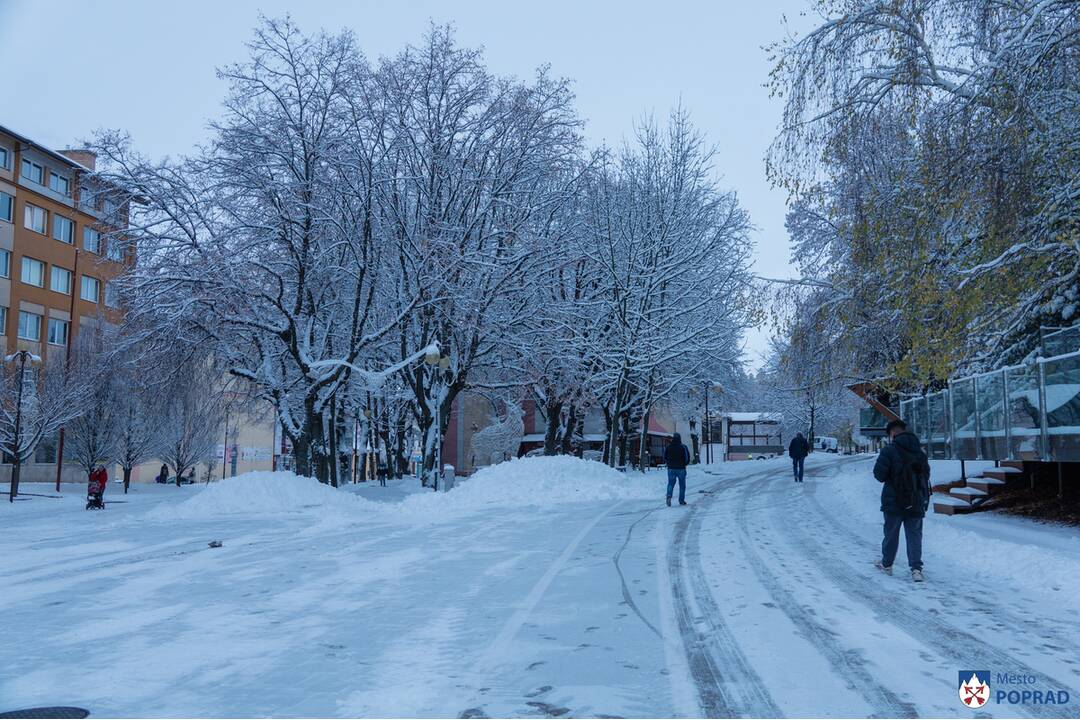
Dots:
pixel 797 466
pixel 672 476
pixel 912 535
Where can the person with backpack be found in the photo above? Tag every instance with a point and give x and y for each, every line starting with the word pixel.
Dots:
pixel 676 457
pixel 904 472
pixel 798 449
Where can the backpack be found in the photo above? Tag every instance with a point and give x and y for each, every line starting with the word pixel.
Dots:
pixel 913 485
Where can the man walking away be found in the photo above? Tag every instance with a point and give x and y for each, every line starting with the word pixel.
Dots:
pixel 798 449
pixel 676 456
pixel 904 471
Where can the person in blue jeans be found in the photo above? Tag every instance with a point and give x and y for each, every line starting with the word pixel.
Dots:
pixel 676 456
pixel 903 470
pixel 798 449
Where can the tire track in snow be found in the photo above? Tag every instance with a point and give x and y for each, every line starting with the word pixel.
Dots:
pixel 845 662
pixel 728 685
pixel 627 597
pixel 947 640
pixel 491 657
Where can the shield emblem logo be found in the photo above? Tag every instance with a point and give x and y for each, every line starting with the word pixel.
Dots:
pixel 974 688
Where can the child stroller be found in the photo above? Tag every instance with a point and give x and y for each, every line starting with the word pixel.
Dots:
pixel 95 488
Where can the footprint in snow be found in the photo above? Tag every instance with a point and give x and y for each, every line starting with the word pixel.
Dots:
pixel 547 709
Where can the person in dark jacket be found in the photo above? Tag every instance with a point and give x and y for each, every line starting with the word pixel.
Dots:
pixel 798 449
pixel 676 457
pixel 904 472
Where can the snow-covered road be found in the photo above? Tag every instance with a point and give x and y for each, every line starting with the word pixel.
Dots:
pixel 759 598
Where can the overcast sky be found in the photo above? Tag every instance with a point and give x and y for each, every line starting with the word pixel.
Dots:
pixel 148 67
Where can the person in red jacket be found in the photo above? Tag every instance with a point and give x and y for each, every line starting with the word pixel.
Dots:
pixel 95 488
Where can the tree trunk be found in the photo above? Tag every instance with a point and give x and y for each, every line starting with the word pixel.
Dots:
pixel 14 490
pixel 302 454
pixel 401 460
pixel 553 410
pixel 569 430
pixel 644 456
pixel 609 438
pixel 127 479
pixel 624 435
pixel 695 450
pixel 334 460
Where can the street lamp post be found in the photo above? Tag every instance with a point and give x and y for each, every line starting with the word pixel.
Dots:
pixel 22 356
pixel 706 430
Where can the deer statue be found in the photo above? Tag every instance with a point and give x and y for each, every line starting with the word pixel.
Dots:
pixel 501 439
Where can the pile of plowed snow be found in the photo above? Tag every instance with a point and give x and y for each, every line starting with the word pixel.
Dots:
pixel 263 493
pixel 537 482
pixel 528 482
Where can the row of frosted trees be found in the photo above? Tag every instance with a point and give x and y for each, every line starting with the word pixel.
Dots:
pixel 370 239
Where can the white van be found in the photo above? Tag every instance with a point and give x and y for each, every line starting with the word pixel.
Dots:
pixel 826 444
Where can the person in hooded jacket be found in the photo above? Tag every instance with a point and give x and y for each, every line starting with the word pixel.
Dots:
pixel 676 457
pixel 904 472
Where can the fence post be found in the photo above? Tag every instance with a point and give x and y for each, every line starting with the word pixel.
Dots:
pixel 1006 410
pixel 949 415
pixel 929 426
pixel 1044 430
pixel 978 420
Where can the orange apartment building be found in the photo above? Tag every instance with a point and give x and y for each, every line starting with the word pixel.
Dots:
pixel 56 265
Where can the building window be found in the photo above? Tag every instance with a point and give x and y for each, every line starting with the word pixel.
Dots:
pixel 3 321
pixel 89 290
pixel 33 272
pixel 60 280
pixel 114 251
pixel 5 263
pixel 88 198
pixel 5 158
pixel 59 183
pixel 110 207
pixel 91 240
pixel 58 331
pixel 112 297
pixel 63 229
pixel 29 326
pixel 34 218
pixel 7 207
pixel 33 172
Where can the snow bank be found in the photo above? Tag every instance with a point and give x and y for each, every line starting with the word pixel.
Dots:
pixel 537 482
pixel 262 493
pixel 528 482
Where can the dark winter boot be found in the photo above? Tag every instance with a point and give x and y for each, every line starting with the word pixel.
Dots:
pixel 669 502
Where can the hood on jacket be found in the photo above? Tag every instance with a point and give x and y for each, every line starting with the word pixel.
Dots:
pixel 907 441
pixel 676 439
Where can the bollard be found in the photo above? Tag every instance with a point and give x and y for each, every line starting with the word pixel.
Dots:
pixel 448 478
